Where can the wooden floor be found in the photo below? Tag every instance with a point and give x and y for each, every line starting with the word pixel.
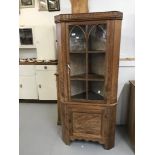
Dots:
pixel 40 135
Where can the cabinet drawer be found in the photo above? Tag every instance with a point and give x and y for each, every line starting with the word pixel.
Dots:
pixel 46 67
pixel 27 70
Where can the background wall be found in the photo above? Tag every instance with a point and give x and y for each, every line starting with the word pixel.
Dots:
pixel 33 17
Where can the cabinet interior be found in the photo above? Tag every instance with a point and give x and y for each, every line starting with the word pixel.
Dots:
pixel 87 61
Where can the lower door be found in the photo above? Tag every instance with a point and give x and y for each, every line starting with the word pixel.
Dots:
pixel 46 82
pixel 27 87
pixel 90 123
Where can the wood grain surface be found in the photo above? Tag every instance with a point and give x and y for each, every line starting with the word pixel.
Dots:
pixel 79 6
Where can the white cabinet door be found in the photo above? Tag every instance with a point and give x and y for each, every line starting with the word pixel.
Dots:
pixel 45 42
pixel 27 87
pixel 46 82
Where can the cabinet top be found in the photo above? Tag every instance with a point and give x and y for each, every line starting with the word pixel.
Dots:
pixel 111 15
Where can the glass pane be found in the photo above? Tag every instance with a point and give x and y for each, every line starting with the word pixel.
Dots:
pixel 96 76
pixel 87 70
pixel 77 39
pixel 26 36
pixel 96 64
pixel 78 89
pixel 97 37
pixel 77 64
pixel 95 90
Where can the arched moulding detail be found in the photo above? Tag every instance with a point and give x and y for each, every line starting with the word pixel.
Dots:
pixel 77 38
pixel 97 38
pixel 93 27
pixel 79 28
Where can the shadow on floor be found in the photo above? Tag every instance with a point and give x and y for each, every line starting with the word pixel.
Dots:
pixel 122 133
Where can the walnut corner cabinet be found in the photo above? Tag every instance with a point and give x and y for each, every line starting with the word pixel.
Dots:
pixel 88 46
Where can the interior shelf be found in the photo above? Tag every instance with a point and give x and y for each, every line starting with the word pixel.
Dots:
pixel 94 96
pixel 79 96
pixel 79 77
pixel 78 51
pixel 97 51
pixel 93 77
pixel 94 51
pixel 91 96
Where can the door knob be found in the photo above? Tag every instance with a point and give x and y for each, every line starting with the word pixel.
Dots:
pixel 39 85
pixel 68 66
pixel 21 85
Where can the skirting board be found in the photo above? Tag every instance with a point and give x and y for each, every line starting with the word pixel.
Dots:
pixel 36 101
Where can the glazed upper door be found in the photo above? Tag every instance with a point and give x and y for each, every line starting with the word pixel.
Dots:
pixel 87 63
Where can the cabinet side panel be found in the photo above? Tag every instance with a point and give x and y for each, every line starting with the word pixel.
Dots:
pixel 115 62
pixel 60 28
pixel 109 59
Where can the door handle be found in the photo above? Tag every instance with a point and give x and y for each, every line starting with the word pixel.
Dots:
pixel 39 85
pixel 56 44
pixel 21 85
pixel 69 66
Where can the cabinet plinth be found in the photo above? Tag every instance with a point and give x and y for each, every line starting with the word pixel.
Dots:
pixel 88 58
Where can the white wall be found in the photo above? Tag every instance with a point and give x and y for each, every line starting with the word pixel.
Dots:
pixel 33 17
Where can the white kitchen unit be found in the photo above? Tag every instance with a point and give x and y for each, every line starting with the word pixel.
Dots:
pixel 37 82
pixel 41 43
pixel 46 82
pixel 27 82
pixel 45 43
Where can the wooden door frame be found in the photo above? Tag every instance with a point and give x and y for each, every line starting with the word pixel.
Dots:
pixel 108 57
